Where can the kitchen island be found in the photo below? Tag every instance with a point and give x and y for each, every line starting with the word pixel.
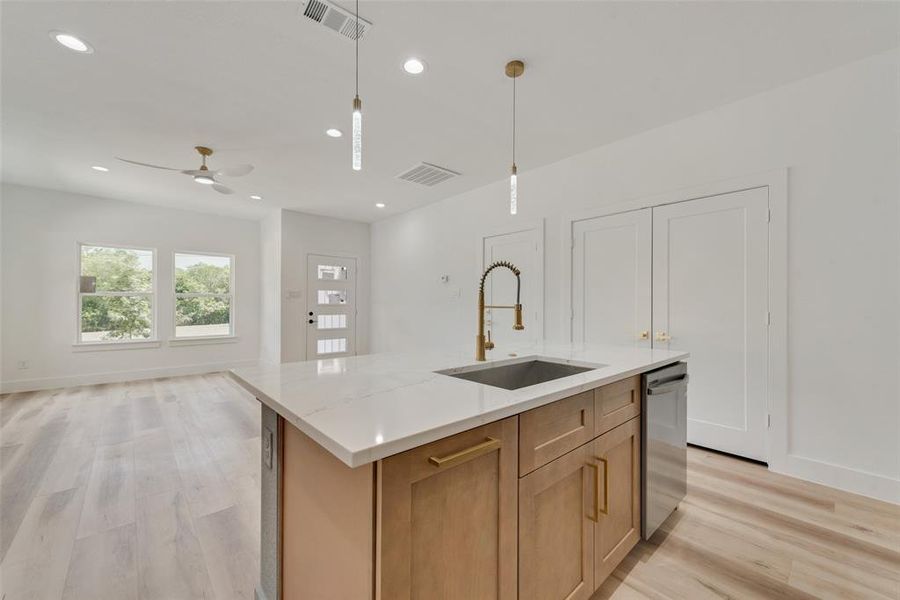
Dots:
pixel 420 475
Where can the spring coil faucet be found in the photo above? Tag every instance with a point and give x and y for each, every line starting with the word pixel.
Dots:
pixel 482 344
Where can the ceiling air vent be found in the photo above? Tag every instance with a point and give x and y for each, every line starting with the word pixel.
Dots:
pixel 427 174
pixel 334 18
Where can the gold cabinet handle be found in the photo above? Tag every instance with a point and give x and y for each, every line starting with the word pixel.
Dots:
pixel 662 336
pixel 605 510
pixel 488 445
pixel 596 516
pixel 645 335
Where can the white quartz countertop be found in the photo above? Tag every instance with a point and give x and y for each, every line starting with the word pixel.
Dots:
pixel 364 408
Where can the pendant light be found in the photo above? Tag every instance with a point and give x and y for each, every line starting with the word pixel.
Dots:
pixel 357 107
pixel 514 70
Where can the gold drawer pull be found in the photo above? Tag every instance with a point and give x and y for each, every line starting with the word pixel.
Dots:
pixel 484 447
pixel 596 516
pixel 605 510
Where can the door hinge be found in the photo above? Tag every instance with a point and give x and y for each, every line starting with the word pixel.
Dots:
pixel 769 215
pixel 768 318
pixel 769 421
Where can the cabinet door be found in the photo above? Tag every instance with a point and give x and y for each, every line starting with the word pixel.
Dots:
pixel 447 526
pixel 618 453
pixel 556 534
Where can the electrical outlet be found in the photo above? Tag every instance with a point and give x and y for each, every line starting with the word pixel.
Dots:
pixel 268 450
pixel 23 364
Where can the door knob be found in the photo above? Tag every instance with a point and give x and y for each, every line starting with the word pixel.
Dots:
pixel 645 335
pixel 662 336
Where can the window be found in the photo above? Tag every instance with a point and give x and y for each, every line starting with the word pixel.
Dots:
pixel 204 299
pixel 115 294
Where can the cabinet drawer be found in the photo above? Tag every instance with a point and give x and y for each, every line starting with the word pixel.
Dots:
pixel 616 403
pixel 550 431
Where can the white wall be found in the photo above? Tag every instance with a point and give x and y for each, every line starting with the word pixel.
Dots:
pixel 301 235
pixel 40 233
pixel 270 288
pixel 837 134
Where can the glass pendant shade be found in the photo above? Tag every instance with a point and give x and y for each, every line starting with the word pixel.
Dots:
pixel 357 134
pixel 513 192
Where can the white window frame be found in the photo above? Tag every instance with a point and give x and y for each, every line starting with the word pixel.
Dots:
pixel 230 295
pixel 152 294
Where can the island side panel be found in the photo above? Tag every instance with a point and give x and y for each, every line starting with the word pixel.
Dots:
pixel 328 523
pixel 270 506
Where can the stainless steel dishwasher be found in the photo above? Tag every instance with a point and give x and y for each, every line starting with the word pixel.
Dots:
pixel 663 444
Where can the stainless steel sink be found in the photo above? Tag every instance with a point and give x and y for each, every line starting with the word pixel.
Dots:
pixel 519 374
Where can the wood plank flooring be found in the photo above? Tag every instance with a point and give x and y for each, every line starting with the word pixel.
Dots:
pixel 150 490
pixel 142 490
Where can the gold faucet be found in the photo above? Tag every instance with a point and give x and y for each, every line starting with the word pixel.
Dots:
pixel 482 344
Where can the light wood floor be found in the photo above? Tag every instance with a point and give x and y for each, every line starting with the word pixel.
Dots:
pixel 138 490
pixel 150 490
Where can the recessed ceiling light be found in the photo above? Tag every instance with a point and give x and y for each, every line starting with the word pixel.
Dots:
pixel 255 197
pixel 379 205
pixel 204 179
pixel 99 168
pixel 335 133
pixel 413 66
pixel 71 42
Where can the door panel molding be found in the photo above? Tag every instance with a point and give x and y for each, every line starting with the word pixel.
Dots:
pixel 534 316
pixel 776 181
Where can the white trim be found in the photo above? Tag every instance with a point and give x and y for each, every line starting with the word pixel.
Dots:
pixel 200 340
pixel 123 345
pixel 777 437
pixel 153 293
pixel 855 481
pixel 47 383
pixel 232 302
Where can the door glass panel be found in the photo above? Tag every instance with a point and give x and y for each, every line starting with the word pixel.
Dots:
pixel 331 346
pixel 332 272
pixel 332 321
pixel 332 297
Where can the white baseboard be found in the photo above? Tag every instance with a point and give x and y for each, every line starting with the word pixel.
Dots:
pixel 844 478
pixel 48 383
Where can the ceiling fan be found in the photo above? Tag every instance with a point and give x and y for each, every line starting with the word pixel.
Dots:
pixel 203 175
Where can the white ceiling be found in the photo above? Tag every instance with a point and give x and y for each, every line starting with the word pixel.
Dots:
pixel 261 84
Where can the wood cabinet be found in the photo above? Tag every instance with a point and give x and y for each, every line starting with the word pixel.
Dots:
pixel 454 520
pixel 447 526
pixel 618 527
pixel 550 431
pixel 556 535
pixel 579 516
pixel 616 403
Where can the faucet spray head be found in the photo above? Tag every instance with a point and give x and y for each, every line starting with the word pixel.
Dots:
pixel 518 326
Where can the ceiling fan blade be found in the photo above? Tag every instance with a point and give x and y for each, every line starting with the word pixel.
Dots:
pixel 195 172
pixel 236 171
pixel 222 189
pixel 141 164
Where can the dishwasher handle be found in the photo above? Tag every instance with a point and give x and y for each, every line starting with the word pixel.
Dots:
pixel 667 387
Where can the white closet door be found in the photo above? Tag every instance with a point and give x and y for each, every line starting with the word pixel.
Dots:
pixel 611 262
pixel 710 298
pixel 524 249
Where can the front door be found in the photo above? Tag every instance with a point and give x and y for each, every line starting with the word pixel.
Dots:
pixel 331 307
pixel 710 289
